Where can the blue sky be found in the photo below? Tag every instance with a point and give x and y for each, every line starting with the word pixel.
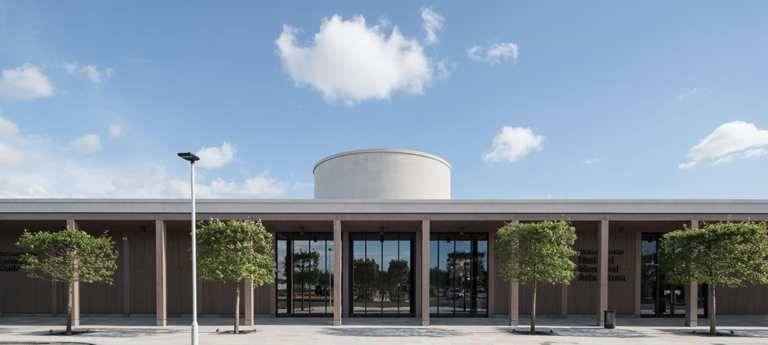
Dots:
pixel 524 99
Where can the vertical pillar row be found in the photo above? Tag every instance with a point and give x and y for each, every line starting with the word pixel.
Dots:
pixel 424 273
pixel 691 295
pixel 160 272
pixel 337 272
pixel 602 272
pixel 74 225
pixel 514 299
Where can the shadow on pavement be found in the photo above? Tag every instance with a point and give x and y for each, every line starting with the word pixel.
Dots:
pixel 115 332
pixel 392 332
pixel 724 332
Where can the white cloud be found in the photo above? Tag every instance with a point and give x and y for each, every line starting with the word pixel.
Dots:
pixel 512 144
pixel 93 74
pixel 688 165
pixel 302 185
pixel 591 160
pixel 10 157
pixel 694 92
pixel 754 153
pixel 86 144
pixel 350 62
pixel 261 186
pixel 70 67
pixel 116 131
pixel 737 139
pixel 89 72
pixel 433 22
pixel 25 83
pixel 722 160
pixel 495 54
pixel 51 170
pixel 729 138
pixel 214 157
pixel 7 128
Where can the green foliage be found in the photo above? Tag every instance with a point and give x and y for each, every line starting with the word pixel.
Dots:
pixel 68 256
pixel 719 254
pixel 397 275
pixel 532 253
pixel 306 271
pixel 235 250
pixel 366 273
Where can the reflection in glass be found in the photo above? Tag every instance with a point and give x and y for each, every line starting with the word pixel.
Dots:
pixel 458 274
pixel 282 274
pixel 381 274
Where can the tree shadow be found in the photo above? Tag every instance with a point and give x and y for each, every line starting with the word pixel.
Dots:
pixel 580 332
pixel 392 332
pixel 115 332
pixel 723 332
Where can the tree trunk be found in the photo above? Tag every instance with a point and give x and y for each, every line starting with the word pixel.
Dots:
pixel 533 310
pixel 237 308
pixel 71 296
pixel 713 312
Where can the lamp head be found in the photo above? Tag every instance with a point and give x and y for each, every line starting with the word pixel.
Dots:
pixel 189 156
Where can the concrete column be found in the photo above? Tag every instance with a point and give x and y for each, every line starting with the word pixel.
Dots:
pixel 248 299
pixel 602 272
pixel 345 253
pixel 337 272
pixel 424 273
pixel 74 225
pixel 691 295
pixel 416 265
pixel 126 276
pixel 491 288
pixel 514 299
pixel 160 273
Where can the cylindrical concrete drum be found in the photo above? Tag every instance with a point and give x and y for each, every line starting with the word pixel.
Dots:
pixel 382 174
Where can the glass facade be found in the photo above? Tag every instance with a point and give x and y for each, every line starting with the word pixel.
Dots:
pixel 458 275
pixel 305 274
pixel 382 274
pixel 658 297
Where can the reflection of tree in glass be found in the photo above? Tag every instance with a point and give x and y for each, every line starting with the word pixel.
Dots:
pixel 648 275
pixel 462 262
pixel 482 272
pixel 305 271
pixel 366 273
pixel 396 278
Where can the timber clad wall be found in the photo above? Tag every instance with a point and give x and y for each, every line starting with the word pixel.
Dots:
pixel 22 295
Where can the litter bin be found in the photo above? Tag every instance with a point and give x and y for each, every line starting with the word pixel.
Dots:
pixel 610 319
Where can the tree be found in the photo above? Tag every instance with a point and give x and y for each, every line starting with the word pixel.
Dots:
pixel 397 275
pixel 233 251
pixel 366 272
pixel 719 254
pixel 68 256
pixel 306 272
pixel 532 253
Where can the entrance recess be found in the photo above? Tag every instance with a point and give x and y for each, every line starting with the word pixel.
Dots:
pixel 382 274
pixel 458 275
pixel 305 274
pixel 660 298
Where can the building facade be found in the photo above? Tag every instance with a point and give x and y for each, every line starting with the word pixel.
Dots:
pixel 385 240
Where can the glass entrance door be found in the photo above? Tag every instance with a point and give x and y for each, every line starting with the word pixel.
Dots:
pixel 382 275
pixel 458 274
pixel 658 296
pixel 305 274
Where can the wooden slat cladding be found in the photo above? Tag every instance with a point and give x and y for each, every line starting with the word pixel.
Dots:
pixel 20 293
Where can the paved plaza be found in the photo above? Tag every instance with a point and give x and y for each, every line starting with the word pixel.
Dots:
pixel 308 331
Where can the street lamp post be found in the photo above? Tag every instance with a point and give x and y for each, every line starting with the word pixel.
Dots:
pixel 192 159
